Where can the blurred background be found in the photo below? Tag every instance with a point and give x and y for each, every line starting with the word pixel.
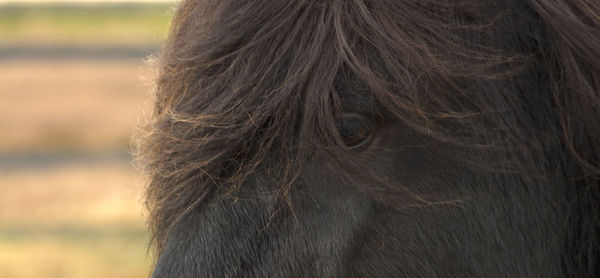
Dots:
pixel 73 86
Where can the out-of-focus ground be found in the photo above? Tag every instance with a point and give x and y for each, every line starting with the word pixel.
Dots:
pixel 78 104
pixel 73 88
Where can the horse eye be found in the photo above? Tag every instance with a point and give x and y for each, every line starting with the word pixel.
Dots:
pixel 355 130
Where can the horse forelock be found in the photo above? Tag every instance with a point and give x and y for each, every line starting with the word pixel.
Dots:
pixel 251 84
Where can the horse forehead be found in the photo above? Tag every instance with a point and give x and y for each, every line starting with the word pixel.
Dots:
pixel 354 95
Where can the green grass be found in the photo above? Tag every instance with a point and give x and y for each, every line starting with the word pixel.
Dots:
pixel 86 24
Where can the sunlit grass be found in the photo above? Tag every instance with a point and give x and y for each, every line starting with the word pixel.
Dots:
pixel 91 194
pixel 73 251
pixel 66 217
pixel 88 25
pixel 76 104
pixel 72 221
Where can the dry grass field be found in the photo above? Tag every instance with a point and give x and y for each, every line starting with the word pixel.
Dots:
pixel 87 105
pixel 72 221
pixel 70 198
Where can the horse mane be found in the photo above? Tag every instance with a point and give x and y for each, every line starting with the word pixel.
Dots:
pixel 250 84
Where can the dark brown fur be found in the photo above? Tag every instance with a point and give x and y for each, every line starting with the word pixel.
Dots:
pixel 485 162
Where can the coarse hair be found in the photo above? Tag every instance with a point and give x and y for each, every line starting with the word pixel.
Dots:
pixel 245 85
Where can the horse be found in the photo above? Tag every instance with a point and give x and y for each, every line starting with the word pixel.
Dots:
pixel 376 138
